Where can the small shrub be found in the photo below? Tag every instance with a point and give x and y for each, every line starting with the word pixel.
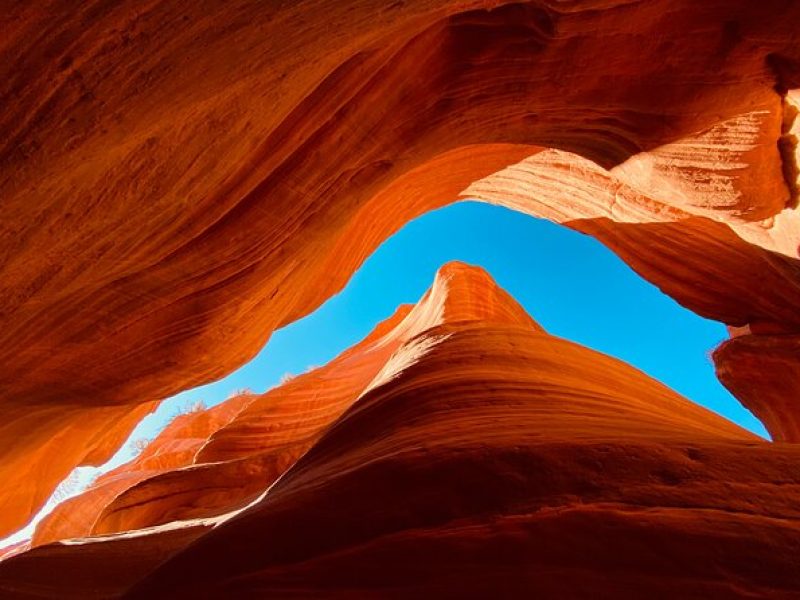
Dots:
pixel 138 445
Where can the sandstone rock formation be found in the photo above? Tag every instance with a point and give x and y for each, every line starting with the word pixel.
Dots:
pixel 210 462
pixel 174 448
pixel 470 453
pixel 181 178
pixel 95 567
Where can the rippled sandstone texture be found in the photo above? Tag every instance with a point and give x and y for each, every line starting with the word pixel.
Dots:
pixel 178 179
pixel 469 454
pixel 209 462
pixel 174 448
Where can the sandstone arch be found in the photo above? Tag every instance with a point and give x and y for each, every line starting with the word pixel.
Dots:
pixel 156 200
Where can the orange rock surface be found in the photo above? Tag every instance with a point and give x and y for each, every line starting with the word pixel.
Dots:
pixel 181 178
pixel 209 462
pixel 175 447
pixel 470 454
pixel 178 179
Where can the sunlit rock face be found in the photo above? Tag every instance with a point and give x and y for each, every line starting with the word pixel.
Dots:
pixel 175 448
pixel 212 461
pixel 458 450
pixel 181 178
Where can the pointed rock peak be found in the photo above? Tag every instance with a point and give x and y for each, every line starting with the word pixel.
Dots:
pixel 462 292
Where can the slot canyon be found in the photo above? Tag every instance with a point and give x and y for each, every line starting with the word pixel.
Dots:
pixel 179 180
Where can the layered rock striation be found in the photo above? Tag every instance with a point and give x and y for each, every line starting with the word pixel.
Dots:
pixel 457 451
pixel 212 461
pixel 178 179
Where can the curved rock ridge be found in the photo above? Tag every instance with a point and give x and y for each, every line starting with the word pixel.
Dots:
pixel 97 567
pixel 178 179
pixel 476 436
pixel 173 448
pixel 459 293
pixel 761 365
pixel 743 273
pixel 745 362
pixel 482 439
pixel 14 548
pixel 209 462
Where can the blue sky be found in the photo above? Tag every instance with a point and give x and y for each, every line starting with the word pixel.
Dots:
pixel 571 284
